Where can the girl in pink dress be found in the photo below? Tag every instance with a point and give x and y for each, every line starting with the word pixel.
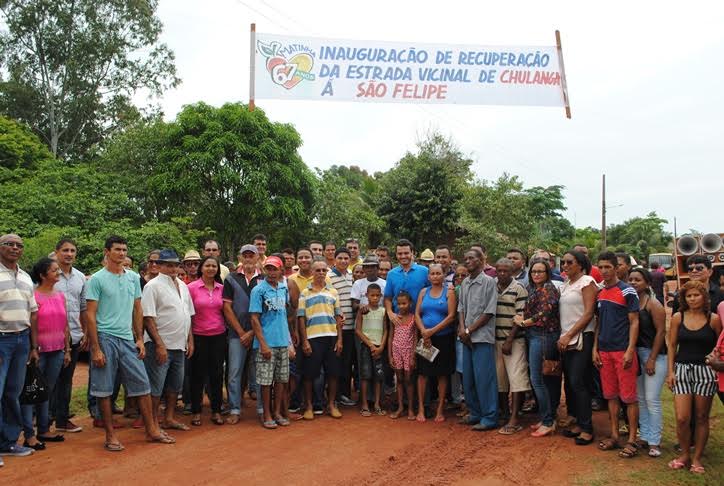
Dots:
pixel 402 353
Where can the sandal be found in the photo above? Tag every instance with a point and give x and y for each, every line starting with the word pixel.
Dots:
pixel 196 421
pixel 216 419
pixel 676 464
pixel 233 419
pixel 568 433
pixel 609 444
pixel 380 412
pixel 508 429
pixel 630 450
pixel 439 419
pixel 583 442
pixel 282 421
pixel 162 439
pixel 365 413
pixel 113 446
pixel 175 426
pixel 697 469
pixel 269 424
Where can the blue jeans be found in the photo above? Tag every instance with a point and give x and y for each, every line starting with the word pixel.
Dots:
pixel 480 383
pixel 542 344
pixel 237 358
pixel 649 395
pixel 60 400
pixel 50 365
pixel 253 385
pixel 14 350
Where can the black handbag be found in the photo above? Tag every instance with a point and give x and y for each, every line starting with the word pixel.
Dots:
pixel 35 389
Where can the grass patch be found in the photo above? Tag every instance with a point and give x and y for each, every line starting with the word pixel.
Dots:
pixel 79 401
pixel 647 471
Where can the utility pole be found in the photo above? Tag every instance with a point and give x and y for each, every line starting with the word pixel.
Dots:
pixel 603 214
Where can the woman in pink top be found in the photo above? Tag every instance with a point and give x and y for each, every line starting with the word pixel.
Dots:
pixel 54 348
pixel 716 358
pixel 209 330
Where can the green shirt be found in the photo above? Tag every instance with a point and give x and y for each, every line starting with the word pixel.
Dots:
pixel 115 295
pixel 373 325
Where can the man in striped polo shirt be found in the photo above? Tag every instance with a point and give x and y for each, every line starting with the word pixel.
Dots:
pixel 341 279
pixel 320 332
pixel 18 341
pixel 511 363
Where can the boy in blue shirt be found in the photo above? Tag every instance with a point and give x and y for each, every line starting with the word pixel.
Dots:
pixel 268 309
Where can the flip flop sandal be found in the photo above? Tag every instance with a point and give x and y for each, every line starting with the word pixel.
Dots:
pixel 419 419
pixel 269 424
pixel 175 426
pixel 629 451
pixel 608 444
pixel 284 422
pixel 196 422
pixel 439 419
pixel 162 439
pixel 380 412
pixel 217 420
pixel 113 446
pixel 233 419
pixel 510 429
pixel 569 434
pixel 676 464
pixel 697 469
pixel 365 413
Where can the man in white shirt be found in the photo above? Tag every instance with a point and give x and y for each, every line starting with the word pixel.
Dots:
pixel 371 265
pixel 167 311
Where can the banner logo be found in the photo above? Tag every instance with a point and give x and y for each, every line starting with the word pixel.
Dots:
pixel 287 65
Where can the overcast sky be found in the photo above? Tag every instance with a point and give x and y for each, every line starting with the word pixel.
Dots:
pixel 645 81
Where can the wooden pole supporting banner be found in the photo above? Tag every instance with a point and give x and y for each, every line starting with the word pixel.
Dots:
pixel 252 70
pixel 564 85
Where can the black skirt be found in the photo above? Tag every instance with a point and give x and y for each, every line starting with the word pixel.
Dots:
pixel 444 363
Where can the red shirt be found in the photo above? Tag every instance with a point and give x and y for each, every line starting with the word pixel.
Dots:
pixel 596 274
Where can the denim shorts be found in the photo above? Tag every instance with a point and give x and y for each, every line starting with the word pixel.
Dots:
pixel 167 377
pixel 370 368
pixel 122 359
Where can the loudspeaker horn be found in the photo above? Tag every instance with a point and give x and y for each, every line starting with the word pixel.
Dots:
pixel 711 243
pixel 687 245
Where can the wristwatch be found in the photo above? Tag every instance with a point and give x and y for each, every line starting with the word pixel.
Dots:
pixel 467 331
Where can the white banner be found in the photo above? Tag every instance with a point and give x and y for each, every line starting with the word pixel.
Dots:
pixel 307 68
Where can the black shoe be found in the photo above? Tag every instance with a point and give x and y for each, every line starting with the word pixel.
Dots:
pixel 597 405
pixel 569 434
pixel 40 446
pixel 582 442
pixel 51 438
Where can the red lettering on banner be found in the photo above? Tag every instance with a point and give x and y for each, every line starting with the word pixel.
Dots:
pixel 420 92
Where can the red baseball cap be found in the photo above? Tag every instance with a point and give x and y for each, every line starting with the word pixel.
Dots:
pixel 273 261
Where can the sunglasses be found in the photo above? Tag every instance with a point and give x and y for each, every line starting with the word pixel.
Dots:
pixel 13 244
pixel 697 268
pixel 567 262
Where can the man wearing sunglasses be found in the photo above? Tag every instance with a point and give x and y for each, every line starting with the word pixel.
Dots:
pixel 699 268
pixel 18 341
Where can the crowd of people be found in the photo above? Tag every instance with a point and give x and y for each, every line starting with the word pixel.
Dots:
pixel 322 328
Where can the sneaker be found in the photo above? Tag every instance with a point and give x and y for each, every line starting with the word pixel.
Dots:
pixel 294 409
pixel 318 411
pixel 345 401
pixel 16 450
pixel 187 409
pixel 68 427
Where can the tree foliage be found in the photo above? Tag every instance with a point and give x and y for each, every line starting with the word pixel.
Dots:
pixel 640 236
pixel 71 67
pixel 421 197
pixel 230 169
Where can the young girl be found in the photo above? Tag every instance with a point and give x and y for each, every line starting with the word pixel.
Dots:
pixel 401 348
pixel 693 334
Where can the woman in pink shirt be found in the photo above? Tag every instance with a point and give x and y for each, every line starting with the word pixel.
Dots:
pixel 209 330
pixel 54 348
pixel 716 358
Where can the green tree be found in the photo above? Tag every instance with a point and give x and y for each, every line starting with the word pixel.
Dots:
pixel 639 236
pixel 341 211
pixel 421 197
pixel 19 147
pixel 229 168
pixel 71 67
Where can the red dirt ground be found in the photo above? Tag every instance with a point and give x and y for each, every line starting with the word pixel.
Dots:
pixel 374 450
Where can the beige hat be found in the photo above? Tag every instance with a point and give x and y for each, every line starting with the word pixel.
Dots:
pixel 427 255
pixel 192 255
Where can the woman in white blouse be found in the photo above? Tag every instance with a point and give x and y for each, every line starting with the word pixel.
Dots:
pixel 578 298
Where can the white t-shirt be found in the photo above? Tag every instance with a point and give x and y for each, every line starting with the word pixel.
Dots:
pixel 571 305
pixel 359 289
pixel 171 309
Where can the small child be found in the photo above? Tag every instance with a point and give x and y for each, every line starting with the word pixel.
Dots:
pixel 372 333
pixel 401 350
